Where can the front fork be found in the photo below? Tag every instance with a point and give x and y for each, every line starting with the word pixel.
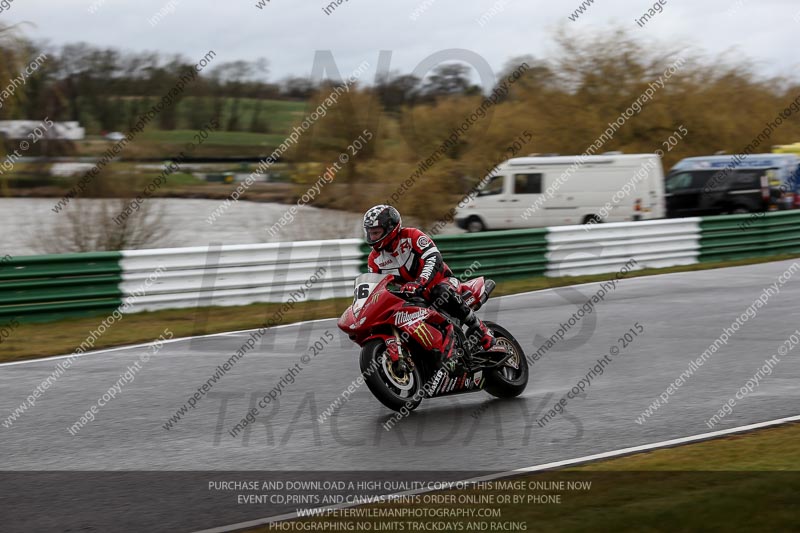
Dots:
pixel 398 342
pixel 395 350
pixel 394 345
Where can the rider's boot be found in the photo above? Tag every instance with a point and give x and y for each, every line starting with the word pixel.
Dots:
pixel 477 331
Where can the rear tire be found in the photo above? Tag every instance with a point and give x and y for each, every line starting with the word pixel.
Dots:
pixel 507 381
pixel 392 390
pixel 592 219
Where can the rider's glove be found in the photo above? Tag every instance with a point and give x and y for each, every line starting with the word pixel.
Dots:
pixel 413 288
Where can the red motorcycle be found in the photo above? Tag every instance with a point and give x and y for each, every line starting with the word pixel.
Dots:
pixel 401 377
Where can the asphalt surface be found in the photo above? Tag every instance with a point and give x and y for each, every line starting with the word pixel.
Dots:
pixel 680 315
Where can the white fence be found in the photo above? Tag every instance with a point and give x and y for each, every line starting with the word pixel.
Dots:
pixel 600 248
pixel 240 274
pixel 245 274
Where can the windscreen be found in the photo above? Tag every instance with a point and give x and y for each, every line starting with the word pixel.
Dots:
pixel 364 285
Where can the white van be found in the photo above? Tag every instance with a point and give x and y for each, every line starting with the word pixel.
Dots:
pixel 530 192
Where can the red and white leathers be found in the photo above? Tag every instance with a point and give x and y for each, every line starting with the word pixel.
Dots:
pixel 412 257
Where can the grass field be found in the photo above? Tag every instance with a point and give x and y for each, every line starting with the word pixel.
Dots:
pixel 276 118
pixel 277 115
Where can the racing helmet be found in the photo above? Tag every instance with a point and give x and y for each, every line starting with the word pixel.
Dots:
pixel 386 218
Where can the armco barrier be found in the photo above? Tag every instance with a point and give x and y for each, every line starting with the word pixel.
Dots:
pixel 500 254
pixel 495 254
pixel 43 287
pixel 752 235
pixel 54 286
pixel 241 274
pixel 601 248
pixel 573 250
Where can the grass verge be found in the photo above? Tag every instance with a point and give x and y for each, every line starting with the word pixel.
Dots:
pixel 746 482
pixel 62 337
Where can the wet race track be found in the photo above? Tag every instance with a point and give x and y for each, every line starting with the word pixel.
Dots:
pixel 670 320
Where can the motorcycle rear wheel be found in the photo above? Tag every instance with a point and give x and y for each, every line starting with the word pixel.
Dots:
pixel 509 380
pixel 393 389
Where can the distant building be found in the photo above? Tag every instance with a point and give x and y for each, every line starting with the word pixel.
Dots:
pixel 67 169
pixel 20 129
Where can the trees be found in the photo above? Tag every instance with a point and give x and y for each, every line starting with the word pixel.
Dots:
pixel 90 227
pixel 397 90
pixel 11 48
pixel 12 52
pixel 298 87
pixel 449 79
pixel 233 74
pixel 565 101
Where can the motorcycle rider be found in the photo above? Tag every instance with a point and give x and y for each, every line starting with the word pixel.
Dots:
pixel 411 256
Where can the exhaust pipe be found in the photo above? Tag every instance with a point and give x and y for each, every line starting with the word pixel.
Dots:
pixel 488 287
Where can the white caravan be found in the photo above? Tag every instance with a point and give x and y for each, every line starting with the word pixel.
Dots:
pixel 530 192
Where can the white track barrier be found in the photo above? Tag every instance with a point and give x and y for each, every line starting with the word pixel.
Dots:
pixel 600 248
pixel 240 274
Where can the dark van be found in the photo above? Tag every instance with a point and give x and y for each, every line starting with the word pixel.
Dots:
pixel 712 186
pixel 692 193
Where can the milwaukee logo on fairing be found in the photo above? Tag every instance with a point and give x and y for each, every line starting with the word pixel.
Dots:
pixel 404 318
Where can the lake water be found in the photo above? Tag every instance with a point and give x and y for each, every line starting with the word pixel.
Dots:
pixel 29 222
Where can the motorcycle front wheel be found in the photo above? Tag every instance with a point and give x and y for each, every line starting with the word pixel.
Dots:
pixel 394 388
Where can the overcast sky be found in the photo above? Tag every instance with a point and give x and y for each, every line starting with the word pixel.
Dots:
pixel 288 32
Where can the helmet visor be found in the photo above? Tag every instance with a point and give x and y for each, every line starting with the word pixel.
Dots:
pixel 374 234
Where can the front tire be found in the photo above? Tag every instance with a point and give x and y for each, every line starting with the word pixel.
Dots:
pixel 509 380
pixel 394 390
